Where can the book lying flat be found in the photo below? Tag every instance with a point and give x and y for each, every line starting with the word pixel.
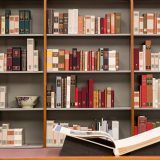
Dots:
pixel 119 147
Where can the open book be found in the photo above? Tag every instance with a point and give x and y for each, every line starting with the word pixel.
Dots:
pixel 120 147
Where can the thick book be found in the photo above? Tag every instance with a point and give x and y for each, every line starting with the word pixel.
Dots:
pixel 7 14
pixel 102 143
pixel 136 58
pixel 16 59
pixel 21 21
pixel 9 59
pixel 58 92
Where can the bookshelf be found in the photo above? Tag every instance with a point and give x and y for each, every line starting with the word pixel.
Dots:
pixel 35 83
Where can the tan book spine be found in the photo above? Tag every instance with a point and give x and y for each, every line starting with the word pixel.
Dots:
pixel 118 23
pixel 155 23
pixel 11 25
pixel 106 98
pixel 98 60
pixel 150 23
pixel 80 24
pixel 149 91
pixel 16 24
pixel 99 99
pixel 141 19
pixel 148 54
pixel 61 60
pixel 112 23
pixel 94 99
pixel 109 97
pixel 88 24
pixel 117 61
pixel 55 59
pixel 145 24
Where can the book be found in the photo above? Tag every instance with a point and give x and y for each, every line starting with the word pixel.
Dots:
pixel 103 139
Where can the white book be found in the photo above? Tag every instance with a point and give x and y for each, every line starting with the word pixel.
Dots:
pixel 141 24
pixel 3 25
pixel 141 62
pixel 136 22
pixel 88 24
pixel 112 60
pixel 99 25
pixel 150 23
pixel 56 23
pixel 30 52
pixel 136 99
pixel 35 60
pixel 0 136
pixel 49 138
pixel 85 60
pixel 70 21
pixel 104 126
pixel 158 25
pixel 52 99
pixel 55 59
pixel 49 59
pixel 93 24
pixel 2 59
pixel 156 61
pixel 144 57
pixel 3 96
pixel 5 128
pixel 18 137
pixel 153 61
pixel 75 21
pixel 115 130
pixel 68 92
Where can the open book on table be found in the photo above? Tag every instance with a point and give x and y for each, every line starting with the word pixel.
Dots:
pixel 120 147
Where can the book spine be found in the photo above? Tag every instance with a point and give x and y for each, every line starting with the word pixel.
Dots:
pixel 21 21
pixel 9 59
pixel 35 60
pixel 109 97
pixel 65 23
pixel 108 23
pixel 92 60
pixel 73 87
pixel 61 60
pixel 155 24
pixel 16 60
pixel 49 21
pixel 101 25
pixel 136 99
pixel 30 51
pixel 48 97
pixel 78 60
pixel 58 92
pixel 117 23
pixel 148 54
pixel 84 97
pixel 74 62
pixel 90 91
pixel 144 91
pixel 158 25
pixel 11 24
pixel 49 59
pixel 105 26
pixel 142 121
pixel 79 99
pixel 112 98
pixel 80 24
pixel 55 59
pixel 68 92
pixel 2 24
pixel 136 22
pixel 75 21
pixel 61 23
pixel 141 19
pixel 66 60
pixel 112 23
pixel 27 21
pixel 149 91
pixel 136 58
pixel 150 23
pixel 24 60
pixel 92 24
pixel 145 23
pixel 56 23
pixel 105 59
pixel 3 96
pixel 88 24
pixel 70 61
pixel 7 14
pixel 76 97
pixel 1 62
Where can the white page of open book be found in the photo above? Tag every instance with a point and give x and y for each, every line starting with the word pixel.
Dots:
pixel 146 138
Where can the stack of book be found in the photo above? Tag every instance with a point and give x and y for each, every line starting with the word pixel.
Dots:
pixel 145 59
pixel 11 137
pixel 148 23
pixel 18 59
pixel 3 97
pixel 69 95
pixel 144 125
pixel 65 60
pixel 15 24
pixel 72 23
pixel 55 139
pixel 149 94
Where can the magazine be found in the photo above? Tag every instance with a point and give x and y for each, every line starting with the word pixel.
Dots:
pixel 120 147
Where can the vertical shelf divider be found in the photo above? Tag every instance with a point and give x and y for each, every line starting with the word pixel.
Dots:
pixel 132 62
pixel 45 72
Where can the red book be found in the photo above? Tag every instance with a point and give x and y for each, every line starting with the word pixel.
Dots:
pixel 66 66
pixel 70 61
pixel 142 124
pixel 149 126
pixel 112 98
pixel 93 55
pixel 144 91
pixel 136 58
pixel 84 98
pixel 108 23
pixel 88 62
pixel 79 99
pixel 135 130
pixel 102 25
pixel 78 60
pixel 105 26
pixel 76 97
pixel 74 60
pixel 9 59
pixel 90 92
pixel 102 99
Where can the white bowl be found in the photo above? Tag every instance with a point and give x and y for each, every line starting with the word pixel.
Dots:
pixel 27 101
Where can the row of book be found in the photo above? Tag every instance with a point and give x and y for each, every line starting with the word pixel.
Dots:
pixel 145 59
pixel 3 96
pixel 18 59
pixel 149 94
pixel 147 23
pixel 68 95
pixel 11 137
pixel 55 139
pixel 72 23
pixel 16 24
pixel 143 124
pixel 65 60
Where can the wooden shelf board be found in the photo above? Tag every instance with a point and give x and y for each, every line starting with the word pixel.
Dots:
pixel 22 72
pixel 21 35
pixel 21 109
pixel 22 147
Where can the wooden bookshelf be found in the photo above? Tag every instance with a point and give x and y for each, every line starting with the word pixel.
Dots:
pixel 36 82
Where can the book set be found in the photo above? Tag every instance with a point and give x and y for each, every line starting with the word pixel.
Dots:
pixel 15 24
pixel 143 125
pixel 65 60
pixel 18 59
pixel 72 22
pixel 11 136
pixel 147 23
pixel 145 59
pixel 68 95
pixel 55 139
pixel 148 95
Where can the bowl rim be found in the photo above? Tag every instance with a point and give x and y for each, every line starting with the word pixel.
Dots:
pixel 26 96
